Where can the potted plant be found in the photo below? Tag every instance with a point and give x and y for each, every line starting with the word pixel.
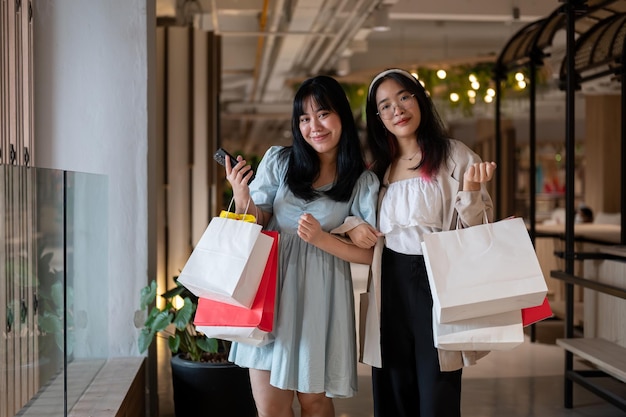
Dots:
pixel 204 382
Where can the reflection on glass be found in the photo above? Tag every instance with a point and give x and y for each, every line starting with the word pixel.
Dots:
pixel 53 266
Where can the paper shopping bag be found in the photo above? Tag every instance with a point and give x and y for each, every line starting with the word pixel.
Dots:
pixel 535 314
pixel 227 263
pixel 252 336
pixel 240 324
pixel 369 327
pixel 483 270
pixel 502 331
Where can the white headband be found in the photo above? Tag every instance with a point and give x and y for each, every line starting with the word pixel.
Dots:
pixel 387 72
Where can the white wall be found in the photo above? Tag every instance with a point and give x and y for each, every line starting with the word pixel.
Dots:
pixel 93 113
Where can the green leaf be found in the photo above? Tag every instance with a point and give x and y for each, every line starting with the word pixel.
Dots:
pixel 178 290
pixel 208 344
pixel 145 339
pixel 49 323
pixel 174 343
pixel 161 321
pixel 56 294
pixel 183 316
pixel 148 294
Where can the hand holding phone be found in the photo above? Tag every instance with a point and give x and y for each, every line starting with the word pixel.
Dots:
pixel 221 155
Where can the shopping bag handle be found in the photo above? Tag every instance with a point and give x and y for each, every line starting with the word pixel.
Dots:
pixel 238 216
pixel 489 229
pixel 458 219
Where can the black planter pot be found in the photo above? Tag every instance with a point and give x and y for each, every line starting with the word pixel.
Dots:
pixel 211 389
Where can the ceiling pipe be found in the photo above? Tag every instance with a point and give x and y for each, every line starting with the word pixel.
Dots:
pixel 328 28
pixel 259 50
pixel 271 40
pixel 346 33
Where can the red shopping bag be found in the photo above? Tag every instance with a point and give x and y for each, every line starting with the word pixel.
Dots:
pixel 230 322
pixel 532 315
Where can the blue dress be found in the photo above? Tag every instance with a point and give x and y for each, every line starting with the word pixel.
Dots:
pixel 314 347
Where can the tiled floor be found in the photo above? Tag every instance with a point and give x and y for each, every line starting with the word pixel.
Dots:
pixel 524 382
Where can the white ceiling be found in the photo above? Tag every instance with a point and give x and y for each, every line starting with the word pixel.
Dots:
pixel 310 37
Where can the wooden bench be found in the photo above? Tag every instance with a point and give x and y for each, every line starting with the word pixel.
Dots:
pixel 608 359
pixel 607 356
pixel 97 388
pixel 118 390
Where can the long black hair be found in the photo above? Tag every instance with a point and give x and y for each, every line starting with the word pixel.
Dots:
pixel 431 133
pixel 304 163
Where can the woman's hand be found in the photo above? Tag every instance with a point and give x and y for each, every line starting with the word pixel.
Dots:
pixel 477 174
pixel 364 235
pixel 309 229
pixel 238 177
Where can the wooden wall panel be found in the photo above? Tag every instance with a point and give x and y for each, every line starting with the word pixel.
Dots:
pixel 602 152
pixel 19 379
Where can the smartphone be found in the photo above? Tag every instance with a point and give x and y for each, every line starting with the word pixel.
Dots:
pixel 221 155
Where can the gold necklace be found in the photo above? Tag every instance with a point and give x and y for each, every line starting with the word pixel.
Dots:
pixel 411 158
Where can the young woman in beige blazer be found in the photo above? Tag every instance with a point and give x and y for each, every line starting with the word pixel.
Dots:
pixel 429 183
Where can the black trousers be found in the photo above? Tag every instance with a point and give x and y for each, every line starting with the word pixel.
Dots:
pixel 410 384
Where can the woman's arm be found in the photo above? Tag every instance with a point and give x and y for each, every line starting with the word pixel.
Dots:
pixel 309 230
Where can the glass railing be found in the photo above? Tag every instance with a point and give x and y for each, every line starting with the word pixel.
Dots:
pixel 53 288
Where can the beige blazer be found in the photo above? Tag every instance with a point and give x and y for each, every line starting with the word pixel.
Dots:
pixel 470 206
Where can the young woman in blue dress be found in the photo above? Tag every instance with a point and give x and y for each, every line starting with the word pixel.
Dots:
pixel 304 191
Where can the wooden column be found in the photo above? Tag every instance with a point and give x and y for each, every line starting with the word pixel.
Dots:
pixel 602 152
pixel 485 148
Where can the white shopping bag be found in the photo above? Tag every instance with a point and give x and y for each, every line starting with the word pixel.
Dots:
pixel 483 270
pixel 502 331
pixel 248 335
pixel 227 263
pixel 369 330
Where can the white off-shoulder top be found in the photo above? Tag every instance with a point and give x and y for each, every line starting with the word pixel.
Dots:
pixel 410 208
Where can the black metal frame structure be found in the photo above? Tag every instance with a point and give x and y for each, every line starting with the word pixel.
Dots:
pixel 600 51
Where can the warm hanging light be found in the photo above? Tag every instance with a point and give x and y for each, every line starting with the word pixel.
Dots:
pixel 178 302
pixel 454 97
pixel 442 74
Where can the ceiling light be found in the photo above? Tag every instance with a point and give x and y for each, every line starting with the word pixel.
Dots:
pixel 343 66
pixel 380 19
